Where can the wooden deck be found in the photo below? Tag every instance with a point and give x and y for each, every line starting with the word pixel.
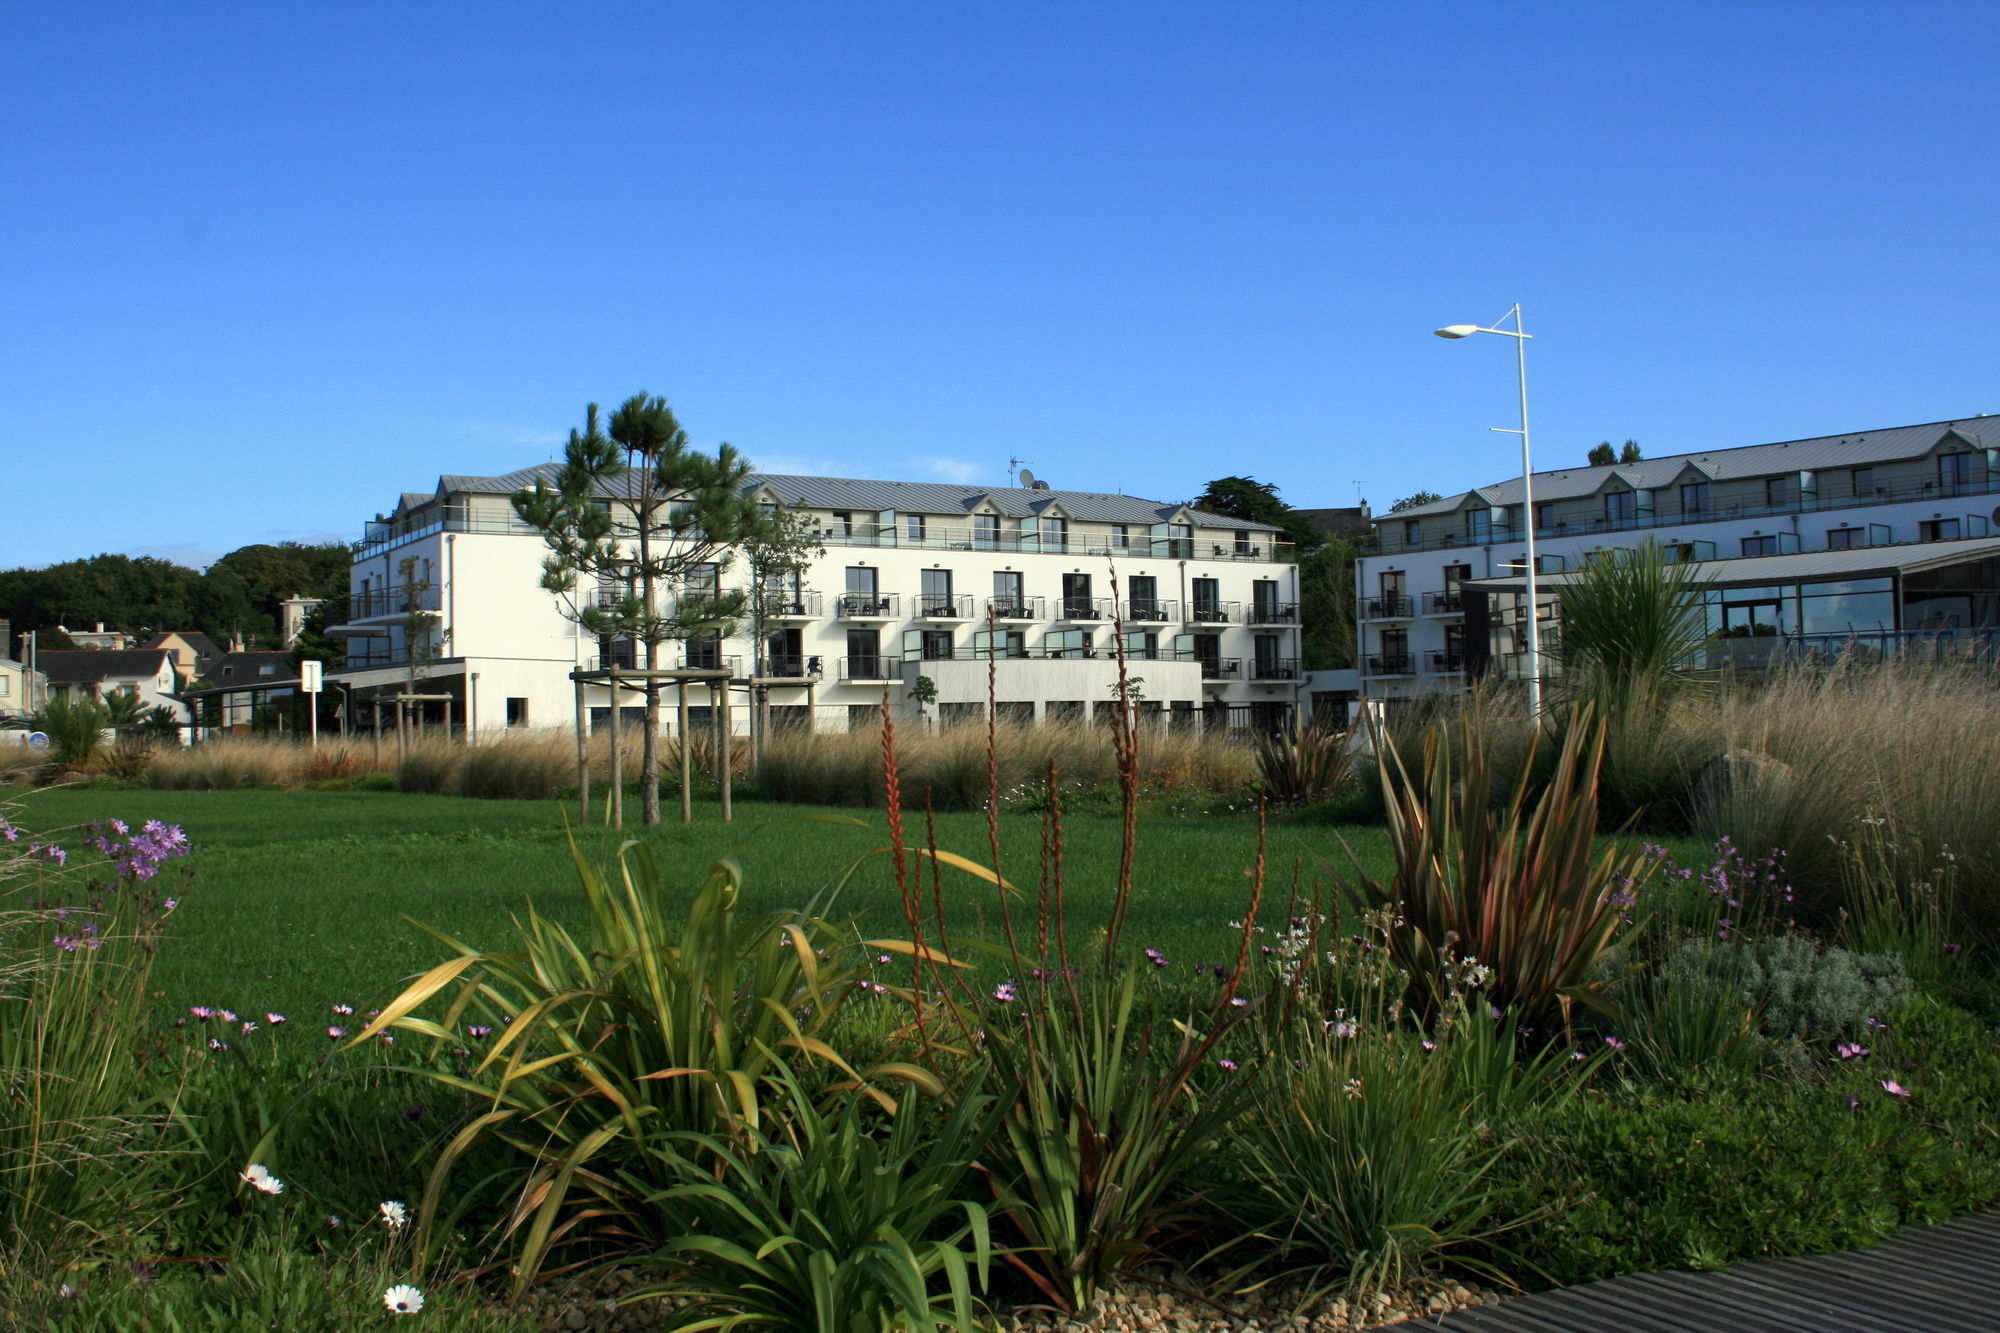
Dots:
pixel 1940 1279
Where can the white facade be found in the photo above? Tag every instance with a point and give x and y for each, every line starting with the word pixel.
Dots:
pixel 1927 483
pixel 915 580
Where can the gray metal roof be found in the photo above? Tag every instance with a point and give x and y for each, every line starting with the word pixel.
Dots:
pixel 1858 562
pixel 1822 453
pixel 905 497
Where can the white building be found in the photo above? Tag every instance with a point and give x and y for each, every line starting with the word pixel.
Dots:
pixel 917 580
pixel 1423 625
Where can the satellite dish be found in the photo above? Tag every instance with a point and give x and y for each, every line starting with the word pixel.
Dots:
pixel 1027 479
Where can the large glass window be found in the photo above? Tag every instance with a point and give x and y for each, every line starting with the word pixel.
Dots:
pixel 986 532
pixel 1055 534
pixel 1620 506
pixel 1847 606
pixel 1479 525
pixel 1778 491
pixel 1864 483
pixel 1955 470
pixel 913 527
pixel 1694 498
pixel 1208 600
pixel 1846 539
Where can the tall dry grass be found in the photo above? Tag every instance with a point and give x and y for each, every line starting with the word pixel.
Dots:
pixel 528 765
pixel 1820 749
pixel 846 768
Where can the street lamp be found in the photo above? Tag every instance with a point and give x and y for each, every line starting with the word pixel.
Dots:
pixel 1520 337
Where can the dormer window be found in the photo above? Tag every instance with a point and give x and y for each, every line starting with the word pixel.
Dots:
pixel 267 670
pixel 913 527
pixel 1479 525
pixel 1620 506
pixel 1955 469
pixel 986 532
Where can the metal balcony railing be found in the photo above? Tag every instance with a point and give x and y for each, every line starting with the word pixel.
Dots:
pixel 1222 668
pixel 1151 610
pixel 1444 603
pixel 789 667
pixel 1083 608
pixel 942 537
pixel 1274 613
pixel 865 606
pixel 396 600
pixel 1388 664
pixel 1447 662
pixel 802 605
pixel 1212 613
pixel 1390 606
pixel 1275 668
pixel 872 667
pixel 941 606
pixel 1014 608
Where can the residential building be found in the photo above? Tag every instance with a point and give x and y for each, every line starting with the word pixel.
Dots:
pixel 96 673
pixel 916 579
pixel 1882 495
pixel 99 637
pixel 239 683
pixel 194 652
pixel 21 689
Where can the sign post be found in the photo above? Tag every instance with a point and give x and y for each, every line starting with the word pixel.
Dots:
pixel 310 676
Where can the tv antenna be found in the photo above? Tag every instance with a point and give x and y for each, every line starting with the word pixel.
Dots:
pixel 1358 496
pixel 1014 472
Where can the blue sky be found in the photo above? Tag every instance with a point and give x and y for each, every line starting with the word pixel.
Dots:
pixel 262 267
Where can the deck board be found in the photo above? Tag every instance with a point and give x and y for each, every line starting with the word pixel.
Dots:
pixel 1934 1279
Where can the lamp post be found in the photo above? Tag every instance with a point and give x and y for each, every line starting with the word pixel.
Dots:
pixel 1520 337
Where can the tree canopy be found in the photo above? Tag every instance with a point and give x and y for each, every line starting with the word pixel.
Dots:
pixel 1412 501
pixel 144 595
pixel 1603 455
pixel 1257 502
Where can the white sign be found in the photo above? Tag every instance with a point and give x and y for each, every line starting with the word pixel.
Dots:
pixel 309 676
pixel 38 740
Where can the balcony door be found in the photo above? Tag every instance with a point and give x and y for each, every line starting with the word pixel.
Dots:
pixel 936 598
pixel 1208 600
pixel 1009 597
pixel 784 653
pixel 1145 597
pixel 864 654
pixel 863 593
pixel 1264 598
pixel 1076 597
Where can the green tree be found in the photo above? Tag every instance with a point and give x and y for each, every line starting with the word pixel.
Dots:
pixel 1601 454
pixel 777 549
pixel 269 574
pixel 1326 605
pixel 1257 502
pixel 315 645
pixel 1412 501
pixel 1630 453
pixel 636 513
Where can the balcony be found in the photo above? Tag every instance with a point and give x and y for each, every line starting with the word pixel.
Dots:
pixel 1449 603
pixel 787 667
pixel 396 600
pixel 1221 668
pixel 1084 610
pixel 944 537
pixel 873 668
pixel 1150 611
pixel 1389 606
pixel 1014 608
pixel 1388 664
pixel 1212 613
pixel 1274 613
pixel 941 606
pixel 865 607
pixel 783 607
pixel 1275 668
pixel 1449 662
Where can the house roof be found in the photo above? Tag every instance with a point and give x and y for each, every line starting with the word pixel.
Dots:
pixel 204 647
pixel 94 666
pixel 1820 453
pixel 247 669
pixel 910 497
pixel 1859 562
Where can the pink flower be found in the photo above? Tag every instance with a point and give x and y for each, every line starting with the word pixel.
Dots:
pixel 1614 1043
pixel 336 1032
pixel 1894 1089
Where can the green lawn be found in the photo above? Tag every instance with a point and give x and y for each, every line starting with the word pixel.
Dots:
pixel 299 897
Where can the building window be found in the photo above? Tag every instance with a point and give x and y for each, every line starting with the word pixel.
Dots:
pixel 860 717
pixel 1938 530
pixel 864 654
pixel 986 532
pixel 1845 539
pixel 1009 601
pixel 1694 498
pixel 1413 532
pixel 1077 603
pixel 1055 534
pixel 1619 507
pixel 843 524
pixel 1864 483
pixel 1208 601
pixel 936 598
pixel 1066 711
pixel 913 527
pixel 704 579
pixel 1955 470
pixel 960 715
pixel 1242 542
pixel 1778 491
pixel 1479 525
pixel 862 594
pixel 1121 537
pixel 517 712
pixel 1760 546
pixel 937 645
pixel 1014 714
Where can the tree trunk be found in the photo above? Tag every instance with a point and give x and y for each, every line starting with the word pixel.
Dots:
pixel 649 755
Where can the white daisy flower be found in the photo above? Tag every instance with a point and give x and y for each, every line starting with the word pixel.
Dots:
pixel 395 1215
pixel 403 1298
pixel 259 1177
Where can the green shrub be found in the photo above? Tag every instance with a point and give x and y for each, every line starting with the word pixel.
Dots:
pixel 822 1217
pixel 1519 885
pixel 1305 768
pixel 75 727
pixel 1637 1177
